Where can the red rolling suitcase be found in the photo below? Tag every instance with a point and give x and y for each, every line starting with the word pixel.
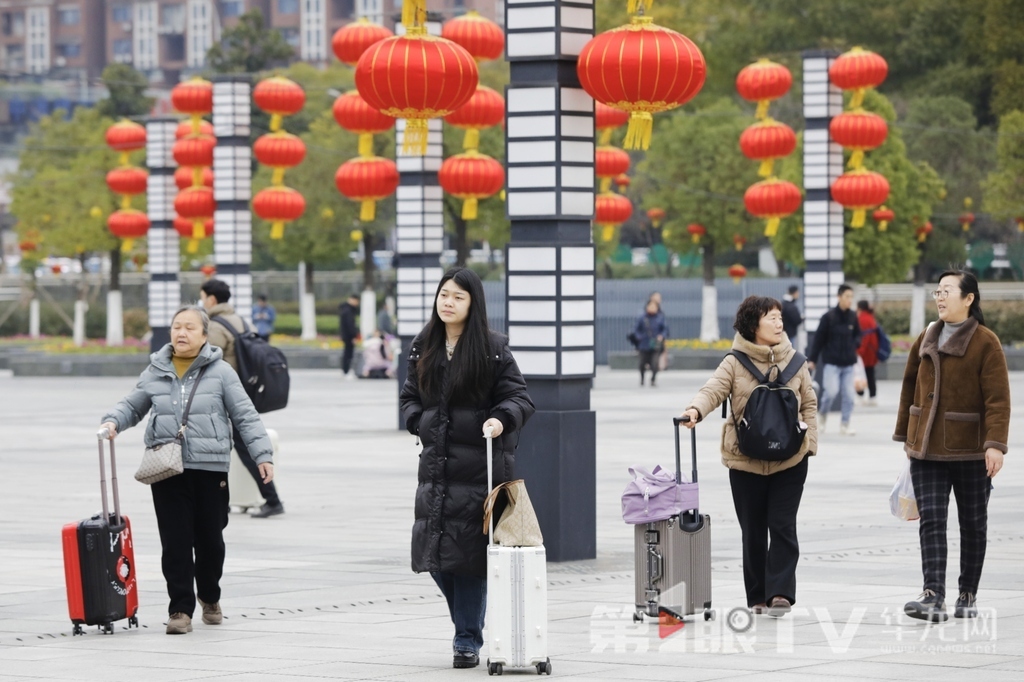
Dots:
pixel 99 561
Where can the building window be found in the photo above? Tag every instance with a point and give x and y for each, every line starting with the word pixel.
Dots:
pixel 13 24
pixel 287 6
pixel 123 47
pixel 231 8
pixel 69 50
pixel 68 16
pixel 121 13
pixel 291 36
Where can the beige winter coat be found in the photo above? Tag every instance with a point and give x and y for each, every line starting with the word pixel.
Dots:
pixel 731 380
pixel 221 337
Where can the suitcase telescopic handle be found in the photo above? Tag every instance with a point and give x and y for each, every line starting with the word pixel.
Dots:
pixel 489 437
pixel 104 435
pixel 693 450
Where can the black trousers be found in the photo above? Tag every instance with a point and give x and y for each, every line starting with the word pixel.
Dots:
pixel 768 505
pixel 346 355
pixel 972 486
pixel 869 372
pixel 191 514
pixel 649 358
pixel 267 490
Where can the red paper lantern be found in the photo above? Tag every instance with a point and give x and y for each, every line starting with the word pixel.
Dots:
pixel 484 109
pixel 208 270
pixel 641 68
pixel 480 36
pixel 883 216
pixel 184 177
pixel 622 181
pixel 279 97
pixel 739 241
pixel 860 131
pixel 184 129
pixel 27 246
pixel 737 272
pixel 762 82
pixel 126 136
pixel 278 205
pixel 767 141
pixel 195 203
pixel 656 215
pixel 858 70
pixel 858 191
pixel 471 177
pixel 194 96
pixel 127 180
pixel 128 224
pixel 193 231
pixel 194 150
pixel 279 150
pixel 367 180
pixel 612 209
pixel 966 220
pixel 352 40
pixel 772 199
pixel 416 76
pixel 356 116
pixel 607 119
pixel 923 231
pixel 696 231
pixel 610 161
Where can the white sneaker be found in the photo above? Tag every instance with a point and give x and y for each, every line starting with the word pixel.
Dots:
pixel 846 430
pixel 822 420
pixel 871 402
pixel 351 376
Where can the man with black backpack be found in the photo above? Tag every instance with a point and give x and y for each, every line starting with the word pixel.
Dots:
pixel 215 296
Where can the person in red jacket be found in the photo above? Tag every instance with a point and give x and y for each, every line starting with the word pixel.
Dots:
pixel 868 350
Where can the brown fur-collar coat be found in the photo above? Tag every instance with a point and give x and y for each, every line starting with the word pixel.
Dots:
pixel 955 402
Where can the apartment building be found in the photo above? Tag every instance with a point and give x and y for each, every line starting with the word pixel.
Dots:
pixel 60 38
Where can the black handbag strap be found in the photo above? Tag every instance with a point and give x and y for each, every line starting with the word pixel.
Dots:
pixel 191 395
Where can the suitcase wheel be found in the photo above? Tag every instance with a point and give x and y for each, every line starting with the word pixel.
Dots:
pixel 543 668
pixel 77 630
pixel 133 621
pixel 638 617
pixel 493 668
pixel 106 628
pixel 709 614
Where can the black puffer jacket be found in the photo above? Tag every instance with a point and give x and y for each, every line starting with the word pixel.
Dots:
pixel 447 534
pixel 837 338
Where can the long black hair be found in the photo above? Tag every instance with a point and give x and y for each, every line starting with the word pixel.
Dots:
pixel 470 373
pixel 968 285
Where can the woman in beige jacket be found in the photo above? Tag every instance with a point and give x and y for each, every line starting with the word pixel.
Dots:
pixel 766 494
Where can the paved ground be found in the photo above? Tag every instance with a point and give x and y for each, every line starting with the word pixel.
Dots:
pixel 325 591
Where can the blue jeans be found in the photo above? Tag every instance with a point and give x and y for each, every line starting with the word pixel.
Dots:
pixel 467 604
pixel 837 380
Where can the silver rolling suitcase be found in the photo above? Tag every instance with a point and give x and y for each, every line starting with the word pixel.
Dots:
pixel 673 558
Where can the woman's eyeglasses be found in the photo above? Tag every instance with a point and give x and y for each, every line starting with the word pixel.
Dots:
pixel 942 294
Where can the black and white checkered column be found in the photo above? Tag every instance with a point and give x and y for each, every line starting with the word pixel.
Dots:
pixel 550 290
pixel 419 231
pixel 232 188
pixel 162 240
pixel 823 163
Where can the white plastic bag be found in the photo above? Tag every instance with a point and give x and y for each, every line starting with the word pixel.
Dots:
pixel 902 502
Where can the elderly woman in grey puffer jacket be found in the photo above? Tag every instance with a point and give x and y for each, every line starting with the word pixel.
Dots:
pixel 192 507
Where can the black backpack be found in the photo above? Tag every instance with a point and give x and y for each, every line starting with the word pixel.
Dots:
pixel 262 368
pixel 770 428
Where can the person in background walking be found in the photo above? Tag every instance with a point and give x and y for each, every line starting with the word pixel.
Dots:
pixel 192 507
pixel 463 381
pixel 650 332
pixel 216 294
pixel 954 420
pixel 766 494
pixel 349 330
pixel 868 350
pixel 264 316
pixel 792 318
pixel 836 343
pixel 385 321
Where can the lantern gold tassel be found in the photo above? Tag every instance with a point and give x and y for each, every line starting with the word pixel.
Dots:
pixel 126 201
pixel 607 232
pixel 276 121
pixel 415 142
pixel 198 230
pixel 414 13
pixel 277 177
pixel 883 225
pixel 859 216
pixel 606 185
pixel 471 140
pixel 766 168
pixel 367 210
pixel 126 245
pixel 762 109
pixel 634 5
pixel 193 246
pixel 366 145
pixel 606 137
pixel 771 228
pixel 469 207
pixel 638 134
pixel 856 159
pixel 277 229
pixel 857 99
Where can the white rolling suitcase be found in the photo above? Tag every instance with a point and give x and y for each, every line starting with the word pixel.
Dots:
pixel 243 492
pixel 517 602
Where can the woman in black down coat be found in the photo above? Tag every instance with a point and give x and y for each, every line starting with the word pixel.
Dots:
pixel 462 381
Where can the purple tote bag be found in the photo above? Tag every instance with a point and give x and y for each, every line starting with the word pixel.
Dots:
pixel 655 496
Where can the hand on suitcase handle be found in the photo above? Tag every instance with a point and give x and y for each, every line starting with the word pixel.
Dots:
pixel 493 426
pixel 107 430
pixel 688 418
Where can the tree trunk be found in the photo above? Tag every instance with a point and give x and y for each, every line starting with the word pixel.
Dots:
pixel 709 298
pixel 668 262
pixel 368 266
pixel 650 250
pixel 81 306
pixel 461 232
pixel 33 308
pixel 917 299
pixel 307 304
pixel 115 307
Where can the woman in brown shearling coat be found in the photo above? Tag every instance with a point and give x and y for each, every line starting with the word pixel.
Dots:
pixel 953 419
pixel 766 494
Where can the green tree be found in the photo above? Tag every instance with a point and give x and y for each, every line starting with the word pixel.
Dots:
pixel 1004 188
pixel 127 88
pixel 249 47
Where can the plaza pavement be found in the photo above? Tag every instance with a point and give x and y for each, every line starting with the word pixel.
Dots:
pixel 325 591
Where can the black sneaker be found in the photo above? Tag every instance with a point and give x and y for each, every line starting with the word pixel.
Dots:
pixel 269 510
pixel 966 606
pixel 465 659
pixel 929 606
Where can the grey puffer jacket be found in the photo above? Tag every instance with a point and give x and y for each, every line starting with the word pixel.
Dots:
pixel 220 401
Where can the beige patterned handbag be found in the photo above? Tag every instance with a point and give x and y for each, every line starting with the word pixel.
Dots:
pixel 163 460
pixel 518 525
